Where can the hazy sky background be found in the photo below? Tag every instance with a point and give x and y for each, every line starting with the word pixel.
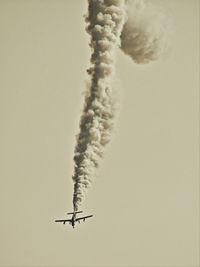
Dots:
pixel 145 199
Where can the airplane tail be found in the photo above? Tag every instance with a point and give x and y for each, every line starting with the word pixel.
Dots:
pixel 75 212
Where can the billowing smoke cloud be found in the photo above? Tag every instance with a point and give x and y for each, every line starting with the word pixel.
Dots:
pixel 132 26
pixel 105 21
pixel 145 36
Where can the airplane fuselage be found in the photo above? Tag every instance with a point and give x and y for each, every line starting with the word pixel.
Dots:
pixel 73 220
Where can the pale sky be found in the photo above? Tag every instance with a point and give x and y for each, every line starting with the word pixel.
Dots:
pixel 145 198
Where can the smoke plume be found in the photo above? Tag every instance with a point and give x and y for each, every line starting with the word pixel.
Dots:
pixel 145 35
pixel 105 21
pixel 132 26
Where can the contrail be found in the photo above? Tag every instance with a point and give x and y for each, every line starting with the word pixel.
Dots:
pixel 110 24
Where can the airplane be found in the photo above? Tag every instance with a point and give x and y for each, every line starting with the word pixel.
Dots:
pixel 73 220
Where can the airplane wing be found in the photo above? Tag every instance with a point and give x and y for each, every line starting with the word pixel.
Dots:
pixel 83 218
pixel 63 220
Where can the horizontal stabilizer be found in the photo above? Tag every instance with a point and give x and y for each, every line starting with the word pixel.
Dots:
pixel 74 212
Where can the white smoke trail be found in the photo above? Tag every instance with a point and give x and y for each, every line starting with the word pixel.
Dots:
pixel 105 21
pixel 141 37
